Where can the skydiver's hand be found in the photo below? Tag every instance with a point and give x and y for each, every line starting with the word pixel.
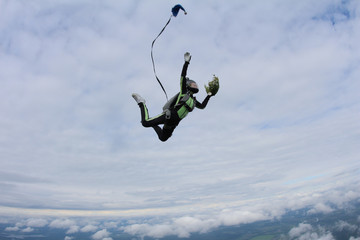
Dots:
pixel 187 57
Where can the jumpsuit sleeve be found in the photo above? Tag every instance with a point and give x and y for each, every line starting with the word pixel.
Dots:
pixel 183 78
pixel 204 103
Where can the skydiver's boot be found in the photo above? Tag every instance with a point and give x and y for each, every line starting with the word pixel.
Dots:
pixel 138 98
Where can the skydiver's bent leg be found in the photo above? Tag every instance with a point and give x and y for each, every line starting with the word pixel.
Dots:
pixel 169 124
pixel 150 122
pixel 165 132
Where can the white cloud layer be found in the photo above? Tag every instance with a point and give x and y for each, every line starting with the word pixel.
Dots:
pixel 186 226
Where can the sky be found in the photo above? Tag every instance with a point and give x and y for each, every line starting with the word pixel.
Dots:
pixel 283 133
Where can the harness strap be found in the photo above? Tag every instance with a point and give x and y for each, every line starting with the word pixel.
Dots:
pixel 188 107
pixel 182 103
pixel 183 100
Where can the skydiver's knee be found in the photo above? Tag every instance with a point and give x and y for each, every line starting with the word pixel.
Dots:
pixel 164 138
pixel 166 133
pixel 146 124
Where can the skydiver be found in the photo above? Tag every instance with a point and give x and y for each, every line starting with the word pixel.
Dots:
pixel 183 103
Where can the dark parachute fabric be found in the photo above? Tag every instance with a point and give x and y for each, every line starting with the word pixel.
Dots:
pixel 175 10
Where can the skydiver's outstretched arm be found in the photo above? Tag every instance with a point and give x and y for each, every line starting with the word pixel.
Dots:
pixel 184 69
pixel 204 103
pixel 187 58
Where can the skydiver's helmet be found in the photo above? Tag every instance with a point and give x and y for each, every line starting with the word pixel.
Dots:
pixel 191 86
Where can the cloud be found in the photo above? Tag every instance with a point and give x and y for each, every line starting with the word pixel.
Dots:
pixel 187 225
pixel 155 231
pixel 89 228
pixel 342 225
pixel 36 222
pixel 110 225
pixel 301 229
pixel 183 227
pixel 12 229
pixel 65 224
pixel 27 230
pixel 73 229
pixel 231 218
pixel 250 212
pixel 307 232
pixel 350 229
pixel 28 225
pixel 320 208
pixel 62 223
pixel 101 235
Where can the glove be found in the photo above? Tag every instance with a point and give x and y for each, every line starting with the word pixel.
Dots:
pixel 187 57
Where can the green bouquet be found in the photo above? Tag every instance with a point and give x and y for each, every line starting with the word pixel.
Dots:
pixel 213 86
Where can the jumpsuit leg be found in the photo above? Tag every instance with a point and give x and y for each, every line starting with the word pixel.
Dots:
pixel 163 133
pixel 146 121
pixel 166 132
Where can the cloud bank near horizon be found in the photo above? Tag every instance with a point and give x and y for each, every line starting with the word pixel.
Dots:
pixel 186 226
